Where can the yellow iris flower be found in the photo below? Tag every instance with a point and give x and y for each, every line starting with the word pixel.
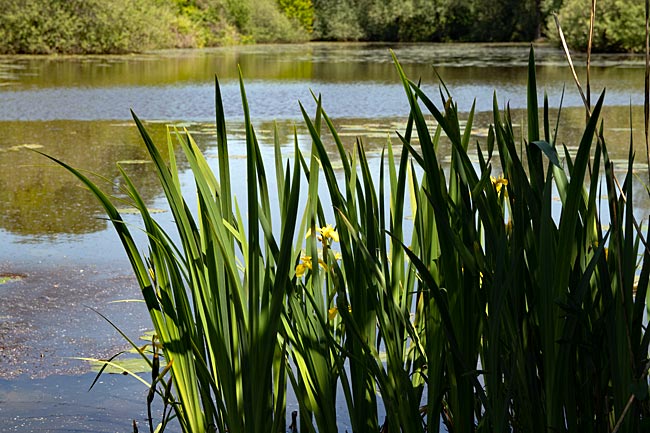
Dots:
pixel 334 311
pixel 499 182
pixel 326 232
pixel 305 263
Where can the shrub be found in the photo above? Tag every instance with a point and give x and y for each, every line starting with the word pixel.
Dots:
pixel 269 24
pixel 80 26
pixel 302 11
pixel 506 20
pixel 120 26
pixel 35 27
pixel 619 25
pixel 336 20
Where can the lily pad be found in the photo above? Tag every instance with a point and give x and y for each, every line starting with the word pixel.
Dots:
pixel 122 365
pixel 26 146
pixel 134 161
pixel 134 211
pixel 10 278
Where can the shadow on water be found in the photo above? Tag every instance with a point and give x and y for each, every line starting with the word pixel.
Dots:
pixel 64 404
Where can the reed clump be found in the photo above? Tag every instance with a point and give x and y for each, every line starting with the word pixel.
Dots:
pixel 492 307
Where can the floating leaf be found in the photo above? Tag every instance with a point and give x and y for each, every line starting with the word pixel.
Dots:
pixel 26 146
pixel 121 365
pixel 135 211
pixel 134 161
pixel 10 278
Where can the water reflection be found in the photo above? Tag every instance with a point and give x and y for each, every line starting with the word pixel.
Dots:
pixel 356 80
pixel 325 62
pixel 40 198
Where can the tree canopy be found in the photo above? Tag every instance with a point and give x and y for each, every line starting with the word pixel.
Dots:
pixel 96 26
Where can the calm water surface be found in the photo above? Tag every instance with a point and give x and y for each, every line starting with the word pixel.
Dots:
pixel 77 109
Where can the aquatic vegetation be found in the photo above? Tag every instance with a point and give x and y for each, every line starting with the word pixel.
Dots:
pixel 458 296
pixel 10 278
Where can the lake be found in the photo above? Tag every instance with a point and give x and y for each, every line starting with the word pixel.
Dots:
pixel 76 108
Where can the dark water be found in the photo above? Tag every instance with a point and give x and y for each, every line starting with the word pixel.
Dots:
pixel 77 109
pixel 64 404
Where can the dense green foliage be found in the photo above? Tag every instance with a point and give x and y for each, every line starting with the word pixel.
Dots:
pixel 619 25
pixel 95 26
pixel 82 26
pixel 302 11
pixel 430 20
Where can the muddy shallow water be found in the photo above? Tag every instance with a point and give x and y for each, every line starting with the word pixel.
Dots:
pixel 77 109
pixel 62 403
pixel 47 318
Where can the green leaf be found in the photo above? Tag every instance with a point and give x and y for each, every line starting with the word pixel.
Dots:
pixel 549 151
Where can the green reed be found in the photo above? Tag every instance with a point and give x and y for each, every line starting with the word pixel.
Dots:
pixel 216 296
pixel 437 294
pixel 542 317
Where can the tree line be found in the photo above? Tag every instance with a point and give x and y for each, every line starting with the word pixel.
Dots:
pixel 118 26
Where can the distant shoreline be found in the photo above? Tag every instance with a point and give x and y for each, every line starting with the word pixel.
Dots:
pixel 174 51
